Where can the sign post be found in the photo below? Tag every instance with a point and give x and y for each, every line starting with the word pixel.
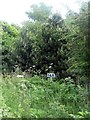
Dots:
pixel 51 75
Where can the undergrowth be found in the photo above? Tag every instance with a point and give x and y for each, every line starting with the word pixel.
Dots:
pixel 38 98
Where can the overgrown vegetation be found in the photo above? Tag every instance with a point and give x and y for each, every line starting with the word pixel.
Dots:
pixel 46 43
pixel 38 98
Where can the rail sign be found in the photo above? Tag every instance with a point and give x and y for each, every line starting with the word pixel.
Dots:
pixel 50 75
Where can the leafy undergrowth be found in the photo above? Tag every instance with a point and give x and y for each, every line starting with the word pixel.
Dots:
pixel 38 98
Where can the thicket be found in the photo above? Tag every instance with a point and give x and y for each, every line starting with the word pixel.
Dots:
pixel 47 43
pixel 39 98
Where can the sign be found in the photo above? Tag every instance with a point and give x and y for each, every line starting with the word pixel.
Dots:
pixel 50 75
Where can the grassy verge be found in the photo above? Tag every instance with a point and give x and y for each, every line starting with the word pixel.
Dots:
pixel 38 98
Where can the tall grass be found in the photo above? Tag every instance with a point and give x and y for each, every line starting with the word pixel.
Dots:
pixel 39 98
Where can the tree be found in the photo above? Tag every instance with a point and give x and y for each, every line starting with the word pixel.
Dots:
pixel 77 24
pixel 52 55
pixel 43 43
pixel 39 12
pixel 10 34
pixel 31 36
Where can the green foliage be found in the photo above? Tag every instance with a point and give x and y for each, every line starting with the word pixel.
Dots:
pixel 39 12
pixel 37 98
pixel 77 25
pixel 9 37
pixel 46 43
pixel 54 48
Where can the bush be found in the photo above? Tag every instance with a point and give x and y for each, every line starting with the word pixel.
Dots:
pixel 37 98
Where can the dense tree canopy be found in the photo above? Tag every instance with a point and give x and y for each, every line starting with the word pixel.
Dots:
pixel 39 12
pixel 10 34
pixel 47 43
pixel 77 24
